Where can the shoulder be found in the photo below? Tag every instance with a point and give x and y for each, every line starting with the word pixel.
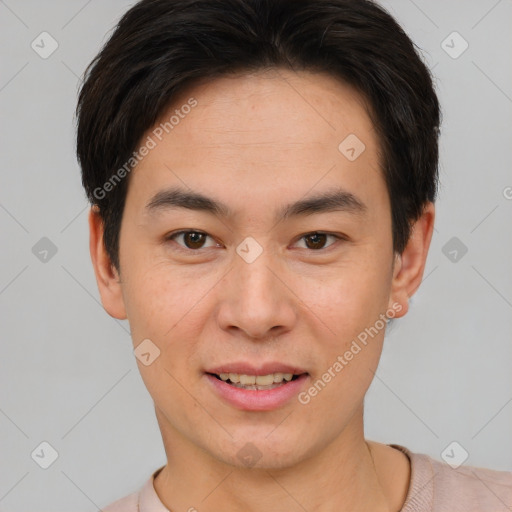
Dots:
pixel 145 500
pixel 472 488
pixel 436 486
pixel 127 504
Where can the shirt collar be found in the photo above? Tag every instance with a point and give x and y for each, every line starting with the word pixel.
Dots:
pixel 148 498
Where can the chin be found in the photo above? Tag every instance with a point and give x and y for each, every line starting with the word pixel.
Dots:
pixel 263 450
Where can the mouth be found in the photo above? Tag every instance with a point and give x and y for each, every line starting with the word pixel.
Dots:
pixel 257 382
pixel 250 388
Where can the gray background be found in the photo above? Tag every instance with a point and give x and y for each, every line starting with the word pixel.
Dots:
pixel 67 372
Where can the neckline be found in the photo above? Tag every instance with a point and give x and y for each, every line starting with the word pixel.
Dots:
pixel 420 494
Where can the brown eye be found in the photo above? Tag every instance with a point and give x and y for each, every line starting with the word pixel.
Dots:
pixel 316 241
pixel 192 240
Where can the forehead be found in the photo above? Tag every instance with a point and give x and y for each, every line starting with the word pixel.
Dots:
pixel 259 132
pixel 314 107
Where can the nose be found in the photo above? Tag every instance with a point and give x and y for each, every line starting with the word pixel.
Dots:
pixel 257 298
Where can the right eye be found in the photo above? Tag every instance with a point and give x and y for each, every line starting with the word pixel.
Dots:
pixel 192 240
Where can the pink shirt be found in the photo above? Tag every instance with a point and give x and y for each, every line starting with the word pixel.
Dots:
pixel 434 487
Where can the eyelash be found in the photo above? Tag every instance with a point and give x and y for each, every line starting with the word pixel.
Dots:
pixel 172 236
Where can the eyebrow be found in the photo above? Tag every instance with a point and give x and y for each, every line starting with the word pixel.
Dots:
pixel 325 202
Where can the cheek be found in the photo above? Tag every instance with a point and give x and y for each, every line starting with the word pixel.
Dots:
pixel 162 308
pixel 352 296
pixel 166 307
pixel 352 306
pixel 159 299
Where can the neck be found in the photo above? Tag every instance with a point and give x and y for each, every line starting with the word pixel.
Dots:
pixel 341 478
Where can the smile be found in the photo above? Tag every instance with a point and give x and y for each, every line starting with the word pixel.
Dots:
pixel 261 390
pixel 257 382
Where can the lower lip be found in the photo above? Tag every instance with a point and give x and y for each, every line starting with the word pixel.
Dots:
pixel 254 400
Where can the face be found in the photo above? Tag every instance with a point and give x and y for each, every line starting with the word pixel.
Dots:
pixel 253 244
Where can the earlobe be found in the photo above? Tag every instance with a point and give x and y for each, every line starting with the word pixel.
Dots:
pixel 107 277
pixel 410 265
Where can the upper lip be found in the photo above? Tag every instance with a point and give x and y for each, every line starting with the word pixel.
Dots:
pixel 243 368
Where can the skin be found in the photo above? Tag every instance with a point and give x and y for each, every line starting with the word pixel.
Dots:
pixel 276 135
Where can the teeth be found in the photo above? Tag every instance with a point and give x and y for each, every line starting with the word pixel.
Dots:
pixel 247 380
pixel 258 380
pixel 265 380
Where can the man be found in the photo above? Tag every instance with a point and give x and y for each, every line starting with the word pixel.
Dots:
pixel 262 176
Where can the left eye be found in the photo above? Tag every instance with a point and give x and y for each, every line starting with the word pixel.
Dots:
pixel 316 241
pixel 192 239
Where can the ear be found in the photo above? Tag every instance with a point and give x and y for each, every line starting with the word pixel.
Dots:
pixel 410 265
pixel 107 277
